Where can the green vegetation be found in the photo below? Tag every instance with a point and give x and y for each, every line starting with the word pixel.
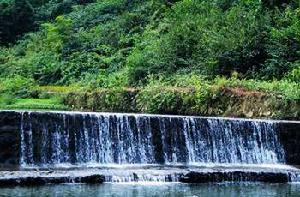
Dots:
pixel 49 104
pixel 197 57
pixel 192 95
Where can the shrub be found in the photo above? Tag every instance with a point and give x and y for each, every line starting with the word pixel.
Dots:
pixel 285 89
pixel 7 99
pixel 17 86
pixel 294 75
pixel 116 99
pixel 283 44
pixel 187 94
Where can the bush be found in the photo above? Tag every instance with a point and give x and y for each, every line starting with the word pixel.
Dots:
pixel 294 75
pixel 7 99
pixel 17 86
pixel 287 90
pixel 187 94
pixel 117 100
pixel 283 45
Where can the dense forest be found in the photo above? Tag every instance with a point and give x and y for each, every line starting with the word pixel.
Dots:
pixel 196 57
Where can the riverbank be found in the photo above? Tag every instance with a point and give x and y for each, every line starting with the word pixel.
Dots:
pixel 220 101
pixel 223 97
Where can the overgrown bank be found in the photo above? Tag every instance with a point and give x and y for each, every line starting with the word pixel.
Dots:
pixel 179 94
pixel 195 57
pixel 191 95
pixel 229 102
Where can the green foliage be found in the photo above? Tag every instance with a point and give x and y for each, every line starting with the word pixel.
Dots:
pixel 258 39
pixel 41 104
pixel 294 75
pixel 285 89
pixel 199 36
pixel 283 45
pixel 117 99
pixel 104 80
pixel 6 99
pixel 174 56
pixel 17 86
pixel 57 33
pixel 175 95
pixel 193 95
pixel 18 17
pixel 15 19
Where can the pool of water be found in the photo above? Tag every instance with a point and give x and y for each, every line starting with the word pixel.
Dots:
pixel 156 189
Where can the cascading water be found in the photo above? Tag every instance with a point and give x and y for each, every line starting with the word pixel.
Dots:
pixel 105 139
pixel 136 139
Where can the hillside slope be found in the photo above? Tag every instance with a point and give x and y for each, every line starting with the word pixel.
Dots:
pixel 82 47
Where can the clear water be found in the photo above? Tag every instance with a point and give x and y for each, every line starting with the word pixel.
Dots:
pixel 170 190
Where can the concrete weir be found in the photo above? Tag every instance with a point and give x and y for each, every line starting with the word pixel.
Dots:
pixel 79 147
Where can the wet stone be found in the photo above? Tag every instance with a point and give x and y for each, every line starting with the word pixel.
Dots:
pixel 33 181
pixel 235 176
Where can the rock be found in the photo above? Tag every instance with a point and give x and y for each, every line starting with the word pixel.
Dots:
pixel 92 179
pixel 235 176
pixel 135 177
pixel 33 181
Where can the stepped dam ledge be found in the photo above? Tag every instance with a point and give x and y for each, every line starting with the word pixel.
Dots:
pixel 83 147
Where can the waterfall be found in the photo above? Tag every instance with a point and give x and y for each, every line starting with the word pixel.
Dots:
pixel 104 138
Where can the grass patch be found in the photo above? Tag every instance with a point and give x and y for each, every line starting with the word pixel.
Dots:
pixel 51 104
pixel 57 89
